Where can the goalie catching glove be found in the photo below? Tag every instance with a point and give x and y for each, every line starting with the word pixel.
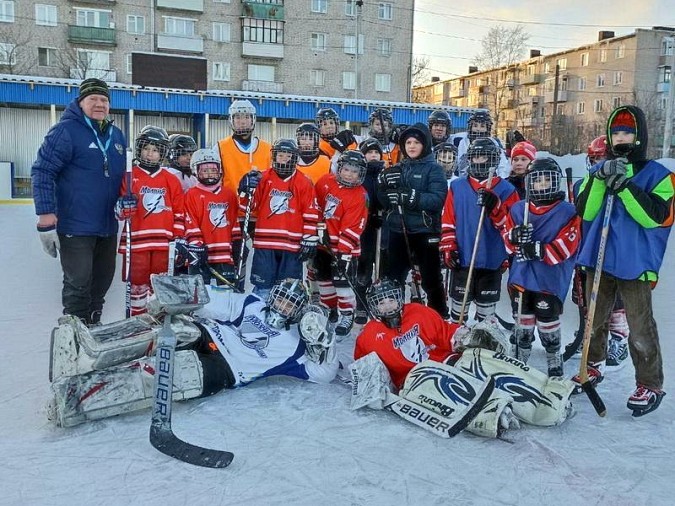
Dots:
pixel 317 334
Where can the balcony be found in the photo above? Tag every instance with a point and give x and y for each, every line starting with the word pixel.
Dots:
pixel 182 5
pixel 510 83
pixel 260 10
pixel 100 3
pixel 262 50
pixel 457 93
pixel 662 87
pixel 262 86
pixel 530 79
pixel 531 122
pixel 109 76
pixel 183 44
pixel 91 35
pixel 562 96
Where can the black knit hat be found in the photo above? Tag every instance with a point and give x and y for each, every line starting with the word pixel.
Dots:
pixel 93 86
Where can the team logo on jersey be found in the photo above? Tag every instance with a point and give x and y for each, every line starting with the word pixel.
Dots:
pixel 379 336
pixel 411 345
pixel 153 200
pixel 218 214
pixel 331 205
pixel 279 202
pixel 255 334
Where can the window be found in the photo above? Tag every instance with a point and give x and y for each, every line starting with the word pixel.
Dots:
pixel 93 63
pixel 179 27
pixel 320 6
pixel 600 81
pixel 350 44
pixel 532 91
pixel 318 42
pixel 562 63
pixel 597 105
pixel 663 103
pixel 261 73
pixel 385 10
pixel 618 77
pixel 581 107
pixel 6 11
pixel 45 15
pixel 129 64
pixel 581 84
pixel 221 71
pixel 620 51
pixel 584 59
pixel 94 18
pixel 384 47
pixel 317 77
pixel 382 82
pixel 221 32
pixel 262 30
pixel 560 110
pixel 616 102
pixel 349 80
pixel 664 74
pixel 667 46
pixel 47 57
pixel 603 55
pixel 563 84
pixel 224 1
pixel 350 8
pixel 136 24
pixel 7 54
pixel 547 68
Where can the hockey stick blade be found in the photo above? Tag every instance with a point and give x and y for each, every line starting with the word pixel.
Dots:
pixel 594 397
pixel 504 323
pixel 572 348
pixel 165 441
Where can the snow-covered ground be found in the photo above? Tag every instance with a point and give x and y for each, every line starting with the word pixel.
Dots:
pixel 298 443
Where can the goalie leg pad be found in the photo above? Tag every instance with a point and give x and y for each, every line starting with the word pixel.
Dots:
pixel 537 399
pixel 371 382
pixel 121 389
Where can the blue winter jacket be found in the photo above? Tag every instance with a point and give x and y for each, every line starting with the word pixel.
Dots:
pixel 69 176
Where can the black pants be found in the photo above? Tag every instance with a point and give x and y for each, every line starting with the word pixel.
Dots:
pixel 424 248
pixel 88 264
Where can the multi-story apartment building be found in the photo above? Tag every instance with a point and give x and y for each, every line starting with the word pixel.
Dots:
pixel 561 100
pixel 330 48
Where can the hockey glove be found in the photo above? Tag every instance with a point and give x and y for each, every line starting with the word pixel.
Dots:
pixel 343 140
pixel 198 256
pixel 616 182
pixel 127 206
pixel 487 199
pixel 394 197
pixel 249 182
pixel 180 259
pixel 521 234
pixel 392 177
pixel 49 239
pixel 409 197
pixel 341 264
pixel 308 245
pixel 531 251
pixel 396 133
pixel 611 168
pixel 451 259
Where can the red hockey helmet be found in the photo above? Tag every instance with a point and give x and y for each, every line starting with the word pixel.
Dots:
pixel 597 150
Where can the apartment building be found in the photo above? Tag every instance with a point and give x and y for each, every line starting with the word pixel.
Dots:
pixel 561 101
pixel 327 48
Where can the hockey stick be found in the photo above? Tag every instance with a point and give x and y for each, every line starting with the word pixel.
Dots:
pixel 244 234
pixel 586 384
pixel 378 247
pixel 224 280
pixel 519 312
pixel 415 288
pixel 127 257
pixel 474 253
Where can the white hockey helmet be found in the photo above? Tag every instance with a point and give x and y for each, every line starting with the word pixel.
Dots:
pixel 244 113
pixel 206 166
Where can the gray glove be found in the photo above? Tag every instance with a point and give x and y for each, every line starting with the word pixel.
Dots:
pixel 49 239
pixel 612 168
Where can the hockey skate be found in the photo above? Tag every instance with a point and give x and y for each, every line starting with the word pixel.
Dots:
pixel 344 324
pixel 617 351
pixel 595 376
pixel 361 317
pixel 644 400
pixel 554 363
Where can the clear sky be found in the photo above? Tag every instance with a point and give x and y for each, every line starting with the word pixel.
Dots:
pixel 449 32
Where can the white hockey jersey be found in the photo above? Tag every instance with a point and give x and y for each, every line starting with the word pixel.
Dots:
pixel 252 349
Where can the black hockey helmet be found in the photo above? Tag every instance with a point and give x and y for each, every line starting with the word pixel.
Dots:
pixel 308 132
pixel 327 116
pixel 483 146
pixel 480 117
pixel 440 118
pixel 285 303
pixel 385 301
pixel 155 136
pixel 544 181
pixel 354 162
pixel 370 144
pixel 446 154
pixel 383 132
pixel 180 145
pixel 285 169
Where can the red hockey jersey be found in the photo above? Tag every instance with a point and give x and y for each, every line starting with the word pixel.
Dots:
pixel 423 335
pixel 160 215
pixel 344 210
pixel 211 219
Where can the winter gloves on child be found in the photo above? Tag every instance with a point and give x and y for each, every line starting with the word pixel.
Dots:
pixel 613 172
pixel 49 239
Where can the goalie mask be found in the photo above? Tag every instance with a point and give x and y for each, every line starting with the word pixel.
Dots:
pixel 151 147
pixel 483 154
pixel 181 146
pixel 285 156
pixel 385 301
pixel 479 125
pixel 285 303
pixel 242 117
pixel 206 166
pixel 328 123
pixel 351 169
pixel 380 124
pixel 544 181
pixel 308 136
pixel 446 155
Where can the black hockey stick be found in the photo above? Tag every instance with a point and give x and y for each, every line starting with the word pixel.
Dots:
pixel 161 434
pixel 127 250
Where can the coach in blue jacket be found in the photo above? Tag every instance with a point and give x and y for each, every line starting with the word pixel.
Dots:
pixel 76 182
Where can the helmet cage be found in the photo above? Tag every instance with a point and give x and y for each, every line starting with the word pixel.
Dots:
pixel 382 116
pixel 482 147
pixel 285 169
pixel 381 292
pixel 285 303
pixel 310 132
pixel 154 136
pixel 181 145
pixel 543 184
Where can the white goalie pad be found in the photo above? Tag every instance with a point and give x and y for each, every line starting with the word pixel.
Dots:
pixel 537 399
pixel 318 336
pixel 487 334
pixel 121 389
pixel 371 382
pixel 77 349
pixel 177 294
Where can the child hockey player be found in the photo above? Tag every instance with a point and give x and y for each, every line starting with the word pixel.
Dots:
pixel 544 236
pixel 285 234
pixel 328 123
pixel 181 148
pixel 211 221
pixel 440 126
pixel 446 156
pixel 521 156
pixel 461 216
pixel 640 223
pixel 343 203
pixel 479 126
pixel 233 340
pixel 155 207
pixel 311 162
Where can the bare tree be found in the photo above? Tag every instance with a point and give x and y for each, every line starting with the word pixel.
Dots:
pixel 16 54
pixel 79 64
pixel 503 48
pixel 420 70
